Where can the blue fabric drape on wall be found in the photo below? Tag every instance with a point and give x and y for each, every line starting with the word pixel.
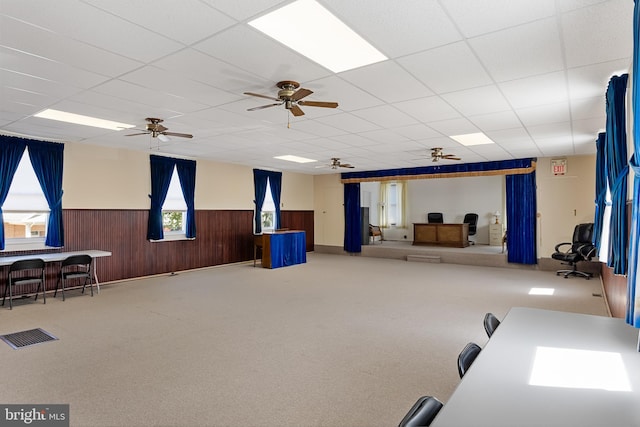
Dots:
pixel 161 171
pixel 601 189
pixel 633 285
pixel 617 171
pixel 521 218
pixel 187 173
pixel 275 182
pixel 11 151
pixel 47 160
pixel 260 188
pixel 352 219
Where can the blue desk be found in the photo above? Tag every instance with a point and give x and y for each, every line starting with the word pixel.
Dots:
pixel 284 248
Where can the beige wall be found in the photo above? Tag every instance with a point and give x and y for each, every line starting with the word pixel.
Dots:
pixel 105 178
pixel 329 210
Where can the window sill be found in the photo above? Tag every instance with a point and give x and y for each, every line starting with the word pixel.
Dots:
pixel 170 237
pixel 25 245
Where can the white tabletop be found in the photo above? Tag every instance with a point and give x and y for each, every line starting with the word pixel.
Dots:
pixel 550 368
pixel 53 256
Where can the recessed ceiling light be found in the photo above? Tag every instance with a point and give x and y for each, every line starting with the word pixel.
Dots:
pixel 472 139
pixel 311 30
pixel 296 159
pixel 542 291
pixel 63 116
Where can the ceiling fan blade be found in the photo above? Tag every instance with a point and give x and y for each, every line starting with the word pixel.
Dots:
pixel 300 93
pixel 450 157
pixel 296 111
pixel 262 96
pixel 136 134
pixel 180 135
pixel 346 165
pixel 263 106
pixel 319 104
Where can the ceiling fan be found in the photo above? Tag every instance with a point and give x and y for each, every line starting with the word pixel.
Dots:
pixel 437 154
pixel 291 97
pixel 156 130
pixel 335 164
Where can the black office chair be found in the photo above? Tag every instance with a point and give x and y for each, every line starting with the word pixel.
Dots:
pixel 75 267
pixel 422 413
pixel 435 218
pixel 491 322
pixel 467 357
pixel 580 249
pixel 25 272
pixel 472 220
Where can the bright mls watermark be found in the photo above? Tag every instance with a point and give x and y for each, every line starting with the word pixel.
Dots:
pixel 35 415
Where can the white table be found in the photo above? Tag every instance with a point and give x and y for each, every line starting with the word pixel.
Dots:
pixel 509 384
pixel 59 256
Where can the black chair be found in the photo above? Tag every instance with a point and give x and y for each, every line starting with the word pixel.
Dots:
pixel 422 413
pixel 580 249
pixel 467 357
pixel 75 267
pixel 472 220
pixel 435 218
pixel 25 272
pixel 491 322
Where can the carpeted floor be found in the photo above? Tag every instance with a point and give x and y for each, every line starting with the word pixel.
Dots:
pixel 339 341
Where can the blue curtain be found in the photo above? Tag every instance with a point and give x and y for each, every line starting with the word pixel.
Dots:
pixel 633 285
pixel 617 171
pixel 47 160
pixel 11 151
pixel 521 218
pixel 161 171
pixel 352 219
pixel 275 182
pixel 601 188
pixel 187 173
pixel 260 178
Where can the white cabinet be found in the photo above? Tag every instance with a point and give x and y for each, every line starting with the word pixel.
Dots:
pixel 496 231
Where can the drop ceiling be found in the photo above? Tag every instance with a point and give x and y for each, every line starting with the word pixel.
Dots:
pixel 529 74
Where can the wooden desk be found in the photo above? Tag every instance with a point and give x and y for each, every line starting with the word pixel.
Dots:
pixel 456 235
pixel 284 248
pixel 546 368
pixel 59 256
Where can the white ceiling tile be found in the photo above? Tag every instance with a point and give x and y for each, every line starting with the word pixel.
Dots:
pixel 556 130
pixel 481 100
pixel 454 127
pixel 428 109
pixel 399 86
pixel 549 113
pixel 186 21
pixel 242 10
pixel 592 80
pixel 386 116
pixel 447 69
pixel 392 29
pixel 567 5
pixel 587 108
pixel 485 16
pixel 417 132
pixel 538 90
pixel 348 123
pixel 96 28
pixel 586 43
pixel 522 51
pixel 496 121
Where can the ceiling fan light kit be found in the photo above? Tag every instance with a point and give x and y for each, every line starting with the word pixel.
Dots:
pixel 290 95
pixel 157 130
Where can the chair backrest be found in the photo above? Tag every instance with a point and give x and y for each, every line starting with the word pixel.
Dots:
pixel 583 239
pixel 84 260
pixel 435 217
pixel 466 357
pixel 472 220
pixel 491 322
pixel 422 413
pixel 26 264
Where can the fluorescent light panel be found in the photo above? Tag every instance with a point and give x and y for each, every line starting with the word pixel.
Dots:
pixel 472 139
pixel 311 30
pixel 542 291
pixel 296 159
pixel 78 119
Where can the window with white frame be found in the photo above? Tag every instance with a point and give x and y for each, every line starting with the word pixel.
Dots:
pixel 394 212
pixel 25 210
pixel 268 213
pixel 174 209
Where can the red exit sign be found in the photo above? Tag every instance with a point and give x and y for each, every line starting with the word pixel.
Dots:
pixel 559 166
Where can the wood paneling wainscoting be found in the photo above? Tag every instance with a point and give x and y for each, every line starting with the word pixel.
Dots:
pixel 222 237
pixel 615 287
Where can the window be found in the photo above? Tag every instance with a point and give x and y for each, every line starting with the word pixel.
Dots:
pixel 268 212
pixel 25 211
pixel 174 209
pixel 393 210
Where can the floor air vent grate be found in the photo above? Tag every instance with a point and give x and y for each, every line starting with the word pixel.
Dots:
pixel 27 338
